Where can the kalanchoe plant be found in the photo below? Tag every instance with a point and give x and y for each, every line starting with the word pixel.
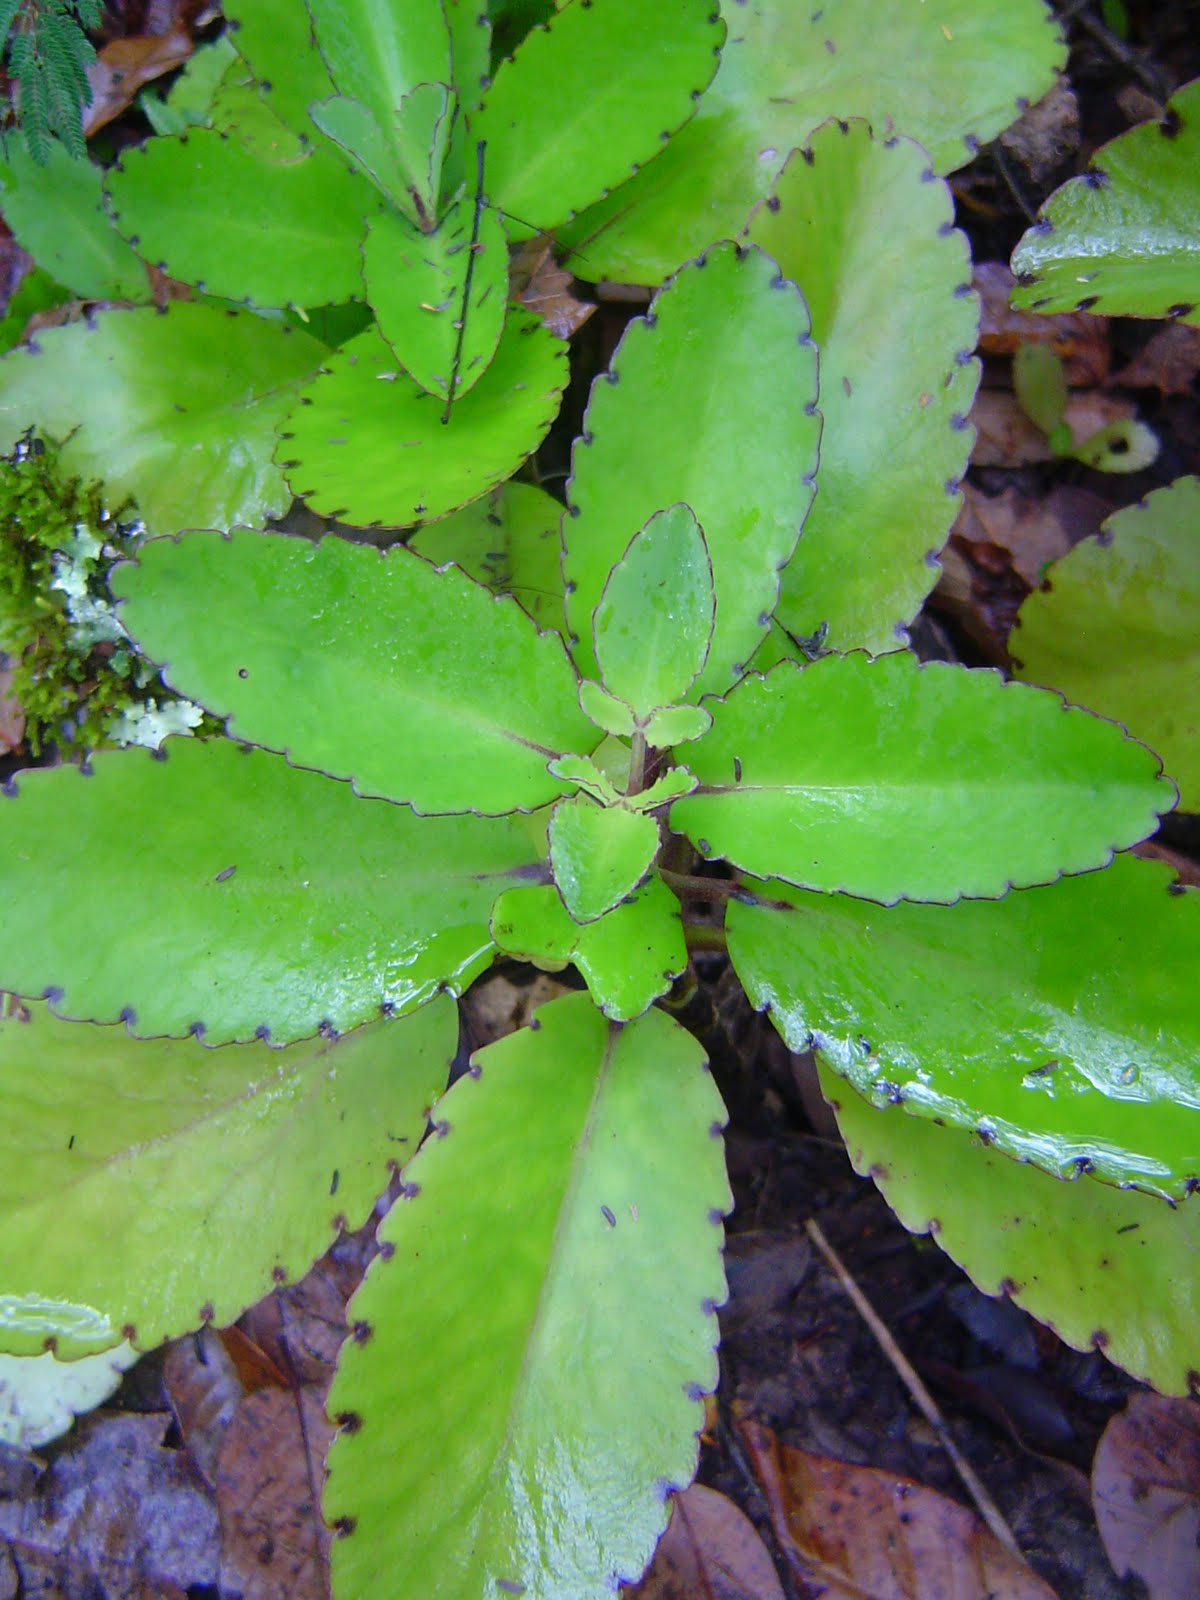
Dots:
pixel 416 776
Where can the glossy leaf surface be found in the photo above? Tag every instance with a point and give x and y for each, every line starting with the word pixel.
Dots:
pixel 509 542
pixel 892 780
pixel 1062 1021
pixel 275 39
pixel 589 99
pixel 945 72
pixel 569 1217
pixel 677 725
pixel 654 623
pixel 605 710
pixel 152 1186
pixel 415 684
pixel 443 330
pixel 896 378
pixel 210 211
pixel 177 410
pixel 692 413
pixel 1117 628
pixel 598 854
pixel 628 957
pixel 223 889
pixel 368 446
pixel 56 213
pixel 1124 239
pixel 1106 1268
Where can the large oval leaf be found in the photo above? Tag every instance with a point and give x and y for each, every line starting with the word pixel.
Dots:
pixel 415 684
pixel 1123 240
pixel 589 99
pixel 1062 1023
pixel 892 780
pixel 949 73
pixel 368 446
pixel 221 891
pixel 569 1215
pixel 1108 1269
pixel 694 410
pixel 175 410
pixel 150 1186
pixel 1116 628
pixel 897 378
pixel 211 211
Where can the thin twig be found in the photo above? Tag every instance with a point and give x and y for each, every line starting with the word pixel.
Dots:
pixel 1004 167
pixel 468 278
pixel 925 1402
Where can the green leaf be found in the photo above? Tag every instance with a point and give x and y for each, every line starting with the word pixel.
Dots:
pixel 368 446
pixel 568 1217
pixel 599 854
pixel 586 774
pixel 897 378
pixel 470 51
pixel 1108 1269
pixel 55 211
pixel 677 725
pixel 440 297
pixel 692 412
pixel 246 111
pixel 1116 628
pixel 275 39
pixel 1062 1023
pixel 891 780
pixel 40 1396
pixel 509 542
pixel 1040 385
pixel 223 890
pixel 674 782
pixel 605 710
pixel 415 684
pixel 378 51
pixel 1124 239
pixel 37 291
pixel 194 91
pixel 654 624
pixel 149 1187
pixel 590 98
pixel 210 211
pixel 628 957
pixel 949 73
pixel 177 410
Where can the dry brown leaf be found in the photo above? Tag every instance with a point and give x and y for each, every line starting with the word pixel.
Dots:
pixel 544 288
pixel 495 1006
pixel 270 1474
pixel 1169 361
pixel 1046 134
pixel 204 1392
pixel 12 718
pixel 710 1549
pixel 1146 1494
pixel 123 68
pixel 1080 340
pixel 1005 437
pixel 870 1535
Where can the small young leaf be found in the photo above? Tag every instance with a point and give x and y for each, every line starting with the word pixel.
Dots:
pixel 177 1182
pixel 1123 240
pixel 1040 385
pixel 418 685
pixel 368 446
pixel 1088 1060
pixel 586 775
pixel 892 780
pixel 193 907
pixel 1109 1269
pixel 733 437
pixel 369 148
pixel 178 411
pixel 1124 446
pixel 654 623
pixel 629 957
pixel 605 710
pixel 569 1215
pixel 677 725
pixel 55 210
pixel 674 783
pixel 589 99
pixel 1117 628
pixel 193 93
pixel 599 854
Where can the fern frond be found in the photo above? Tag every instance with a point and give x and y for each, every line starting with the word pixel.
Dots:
pixel 47 55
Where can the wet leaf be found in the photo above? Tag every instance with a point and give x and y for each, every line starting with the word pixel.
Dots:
pixel 599 854
pixel 1146 1494
pixel 710 1548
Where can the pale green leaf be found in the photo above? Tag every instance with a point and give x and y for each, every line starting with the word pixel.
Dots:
pixel 677 725
pixel 693 412
pixel 564 1222
pixel 193 93
pixel 653 626
pixel 1062 1024
pixel 891 780
pixel 589 99
pixel 599 854
pixel 1124 239
pixel 148 1187
pixel 368 446
pixel 1116 628
pixel 1108 1269
pixel 586 774
pixel 40 1396
pixel 896 377
pixel 415 684
pixel 275 39
pixel 378 51
pixel 470 50
pixel 949 73
pixel 177 410
pixel 605 710
pixel 222 891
